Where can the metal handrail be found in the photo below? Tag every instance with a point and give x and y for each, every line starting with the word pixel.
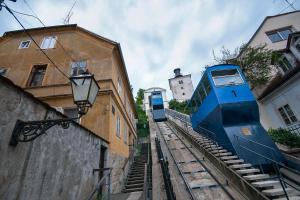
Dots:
pixel 145 186
pixel 187 123
pixel 164 164
pixel 258 143
pixel 275 164
pixel 100 183
pixel 280 164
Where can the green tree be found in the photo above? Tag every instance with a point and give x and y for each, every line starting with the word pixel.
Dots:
pixel 255 62
pixel 179 106
pixel 142 125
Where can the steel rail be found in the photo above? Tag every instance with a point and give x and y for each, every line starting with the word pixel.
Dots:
pixel 189 189
pixel 208 171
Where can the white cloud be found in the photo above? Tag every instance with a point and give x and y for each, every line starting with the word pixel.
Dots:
pixel 157 36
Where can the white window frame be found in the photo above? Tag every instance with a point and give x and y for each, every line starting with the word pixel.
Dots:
pixel 118 127
pixel 289 114
pixel 51 44
pixel 239 74
pixel 278 32
pixel 23 41
pixel 75 65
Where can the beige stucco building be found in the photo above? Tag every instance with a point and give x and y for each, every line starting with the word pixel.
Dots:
pixel 75 50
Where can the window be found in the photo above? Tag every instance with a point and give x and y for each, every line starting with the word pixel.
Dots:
pixel 118 126
pixel 180 82
pixel 201 92
pixel 284 64
pixel 78 67
pixel 3 71
pixel 37 75
pixel 279 35
pixel 182 88
pixel 206 84
pixel 119 86
pixel 287 114
pixel 226 77
pixel 125 134
pixel 183 94
pixel 24 44
pixel 158 107
pixel 71 113
pixel 48 42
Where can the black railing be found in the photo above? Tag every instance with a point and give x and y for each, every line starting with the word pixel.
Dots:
pixel 276 165
pixel 164 164
pixel 294 129
pixel 97 189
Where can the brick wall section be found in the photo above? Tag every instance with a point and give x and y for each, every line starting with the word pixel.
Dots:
pixel 57 165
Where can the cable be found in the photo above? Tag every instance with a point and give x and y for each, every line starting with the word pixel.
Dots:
pixel 11 12
pixel 28 16
pixel 36 17
pixel 291 4
pixel 287 6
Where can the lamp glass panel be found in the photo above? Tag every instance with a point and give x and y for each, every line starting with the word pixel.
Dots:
pixel 93 92
pixel 81 90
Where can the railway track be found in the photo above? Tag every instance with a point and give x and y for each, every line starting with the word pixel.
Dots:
pixel 265 186
pixel 199 181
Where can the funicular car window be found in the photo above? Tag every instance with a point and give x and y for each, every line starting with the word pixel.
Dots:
pixel 206 85
pixel 154 96
pixel 201 92
pixel 226 77
pixel 158 107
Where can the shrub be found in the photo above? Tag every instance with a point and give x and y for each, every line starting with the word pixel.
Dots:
pixel 285 137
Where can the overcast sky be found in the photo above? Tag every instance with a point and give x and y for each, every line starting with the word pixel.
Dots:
pixel 157 36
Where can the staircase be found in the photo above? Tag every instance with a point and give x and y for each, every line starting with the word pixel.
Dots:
pixel 136 175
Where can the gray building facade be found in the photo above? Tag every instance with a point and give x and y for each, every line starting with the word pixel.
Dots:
pixel 181 86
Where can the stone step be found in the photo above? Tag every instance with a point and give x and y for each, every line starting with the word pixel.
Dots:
pixel 239 166
pixel 136 172
pixel 219 151
pixel 211 146
pixel 229 157
pixel 135 178
pixel 234 161
pixel 136 185
pixel 222 154
pixel 214 148
pixel 256 177
pixel 261 184
pixel 132 190
pixel 247 171
pixel 135 181
pixel 276 191
pixel 136 175
pixel 290 198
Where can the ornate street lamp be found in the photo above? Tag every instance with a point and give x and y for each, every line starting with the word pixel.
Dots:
pixel 84 90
